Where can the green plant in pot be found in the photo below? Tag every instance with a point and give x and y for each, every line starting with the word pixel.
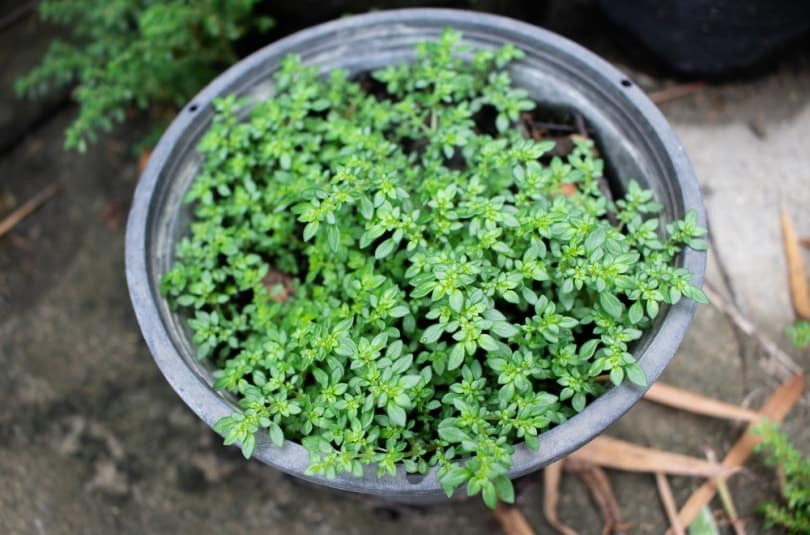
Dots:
pixel 396 270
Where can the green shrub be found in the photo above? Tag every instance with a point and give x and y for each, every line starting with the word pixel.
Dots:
pixel 794 512
pixel 140 53
pixel 445 299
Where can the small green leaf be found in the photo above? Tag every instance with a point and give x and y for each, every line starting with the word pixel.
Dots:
pixel 636 312
pixel 487 343
pixel 652 308
pixel 617 375
pixel 611 304
pixel 703 524
pixel 456 356
pixel 504 489
pixel 456 300
pixel 454 478
pixel 504 329
pixel 396 414
pixel 248 445
pixel 432 333
pixel 636 374
pixel 384 249
pixel 276 435
pixel 399 311
pixel 333 237
pixel 489 495
pixel 310 230
pixel 452 434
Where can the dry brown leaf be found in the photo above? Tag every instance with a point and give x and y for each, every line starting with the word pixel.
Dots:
pixel 569 190
pixel 597 482
pixel 25 209
pixel 665 492
pixel 143 160
pixel 512 520
pixel 613 453
pixel 695 403
pixel 551 496
pixel 775 409
pixel 797 275
pixel 279 285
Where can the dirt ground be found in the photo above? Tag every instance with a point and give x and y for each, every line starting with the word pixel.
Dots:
pixel 93 440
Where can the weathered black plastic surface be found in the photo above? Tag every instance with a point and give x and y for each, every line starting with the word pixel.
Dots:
pixel 633 135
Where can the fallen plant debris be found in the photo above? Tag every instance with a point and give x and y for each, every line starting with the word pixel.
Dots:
pixel 785 366
pixel 668 501
pixel 775 409
pixel 679 398
pixel 27 208
pixel 598 484
pixel 279 285
pixel 613 453
pixel 676 91
pixel 607 452
pixel 552 474
pixel 143 160
pixel 511 520
pixel 728 283
pixel 797 274
pixel 725 498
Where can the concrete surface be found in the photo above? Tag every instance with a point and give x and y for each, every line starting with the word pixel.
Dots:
pixel 93 440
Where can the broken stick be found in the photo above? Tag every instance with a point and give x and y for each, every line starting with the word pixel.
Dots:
pixel 27 208
pixel 695 403
pixel 797 274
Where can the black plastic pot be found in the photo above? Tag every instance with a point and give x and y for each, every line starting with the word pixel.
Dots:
pixel 633 135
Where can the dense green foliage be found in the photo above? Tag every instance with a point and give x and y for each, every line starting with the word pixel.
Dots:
pixel 140 53
pixel 799 333
pixel 794 513
pixel 449 301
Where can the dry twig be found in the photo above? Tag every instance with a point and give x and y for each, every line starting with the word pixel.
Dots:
pixel 597 482
pixel 668 500
pixel 739 336
pixel 725 498
pixel 511 520
pixel 551 496
pixel 609 452
pixel 697 404
pixel 797 275
pixel 28 207
pixel 788 366
pixel 675 92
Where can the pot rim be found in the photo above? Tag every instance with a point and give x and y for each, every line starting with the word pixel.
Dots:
pixel 292 458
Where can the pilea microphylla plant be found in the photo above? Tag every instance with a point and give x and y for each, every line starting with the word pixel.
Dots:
pixel 388 281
